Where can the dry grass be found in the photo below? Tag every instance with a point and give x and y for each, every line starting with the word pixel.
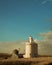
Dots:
pixel 30 61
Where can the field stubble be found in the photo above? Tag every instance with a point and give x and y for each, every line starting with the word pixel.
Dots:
pixel 28 61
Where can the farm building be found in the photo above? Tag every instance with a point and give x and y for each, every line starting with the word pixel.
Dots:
pixel 31 49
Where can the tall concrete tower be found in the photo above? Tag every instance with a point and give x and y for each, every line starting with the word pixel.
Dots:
pixel 31 49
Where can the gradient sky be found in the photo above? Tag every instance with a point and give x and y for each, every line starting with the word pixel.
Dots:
pixel 22 18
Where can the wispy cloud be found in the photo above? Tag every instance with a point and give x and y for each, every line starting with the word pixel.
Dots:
pixel 49 0
pixel 45 1
pixel 47 35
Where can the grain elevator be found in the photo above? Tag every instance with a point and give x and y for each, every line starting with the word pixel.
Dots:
pixel 31 48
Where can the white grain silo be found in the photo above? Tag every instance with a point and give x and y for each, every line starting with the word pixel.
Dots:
pixel 31 48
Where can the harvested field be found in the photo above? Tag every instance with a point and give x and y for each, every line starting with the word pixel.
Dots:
pixel 30 61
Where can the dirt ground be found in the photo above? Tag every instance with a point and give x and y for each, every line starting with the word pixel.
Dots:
pixel 27 61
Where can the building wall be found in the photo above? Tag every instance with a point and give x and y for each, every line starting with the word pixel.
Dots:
pixel 34 50
pixel 28 49
pixel 31 50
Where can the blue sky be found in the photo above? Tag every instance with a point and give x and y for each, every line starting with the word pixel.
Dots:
pixel 22 18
